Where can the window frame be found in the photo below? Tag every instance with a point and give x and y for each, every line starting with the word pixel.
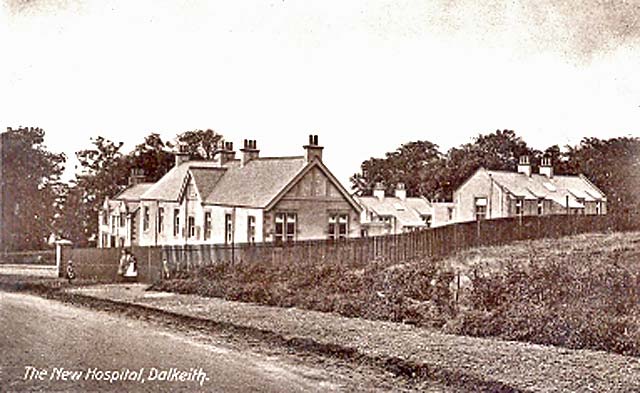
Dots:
pixel 160 219
pixel 479 210
pixel 287 220
pixel 337 228
pixel 251 228
pixel 191 227
pixel 146 218
pixel 228 228
pixel 176 222
pixel 207 225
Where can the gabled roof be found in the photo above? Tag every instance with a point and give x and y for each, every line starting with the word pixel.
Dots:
pixel 134 192
pixel 259 183
pixel 316 164
pixel 253 185
pixel 408 212
pixel 206 179
pixel 169 186
pixel 556 188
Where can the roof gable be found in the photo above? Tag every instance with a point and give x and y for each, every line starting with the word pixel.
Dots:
pixel 334 185
pixel 169 186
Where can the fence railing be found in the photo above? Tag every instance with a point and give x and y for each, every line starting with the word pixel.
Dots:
pixel 423 244
pixel 428 244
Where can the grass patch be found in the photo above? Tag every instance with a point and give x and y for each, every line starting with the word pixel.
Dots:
pixel 579 292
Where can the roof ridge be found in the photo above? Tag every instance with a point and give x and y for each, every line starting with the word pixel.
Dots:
pixel 278 158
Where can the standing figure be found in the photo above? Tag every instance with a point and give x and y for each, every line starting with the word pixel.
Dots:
pixel 124 261
pixel 131 274
pixel 71 274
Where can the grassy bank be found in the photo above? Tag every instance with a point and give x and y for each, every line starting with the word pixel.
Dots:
pixel 579 292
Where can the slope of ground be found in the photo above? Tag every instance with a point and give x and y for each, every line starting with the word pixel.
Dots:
pixel 580 292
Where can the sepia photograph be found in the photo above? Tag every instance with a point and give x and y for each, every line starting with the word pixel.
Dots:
pixel 320 196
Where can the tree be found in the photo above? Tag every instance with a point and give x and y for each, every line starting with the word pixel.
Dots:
pixel 31 177
pixel 614 166
pixel 200 144
pixel 415 164
pixel 500 150
pixel 154 156
pixel 104 173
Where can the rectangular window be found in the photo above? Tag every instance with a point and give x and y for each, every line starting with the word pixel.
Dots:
pixel 251 229
pixel 207 225
pixel 191 226
pixel 481 208
pixel 338 226
pixel 113 224
pixel 519 209
pixel 598 207
pixel 123 219
pixel 105 218
pixel 228 228
pixel 145 221
pixel 540 206
pixel 176 222
pixel 450 213
pixel 160 219
pixel 285 227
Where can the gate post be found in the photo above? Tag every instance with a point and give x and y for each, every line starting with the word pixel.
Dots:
pixel 60 244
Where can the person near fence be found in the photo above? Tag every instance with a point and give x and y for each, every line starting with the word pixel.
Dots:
pixel 124 261
pixel 71 274
pixel 131 274
pixel 165 268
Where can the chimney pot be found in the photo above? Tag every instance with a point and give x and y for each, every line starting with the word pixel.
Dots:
pixel 524 165
pixel 401 191
pixel 181 155
pixel 313 150
pixel 250 151
pixel 546 167
pixel 379 191
pixel 227 154
pixel 137 176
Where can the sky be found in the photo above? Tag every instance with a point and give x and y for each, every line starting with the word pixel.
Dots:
pixel 366 76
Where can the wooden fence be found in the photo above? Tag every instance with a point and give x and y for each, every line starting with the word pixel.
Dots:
pixel 429 244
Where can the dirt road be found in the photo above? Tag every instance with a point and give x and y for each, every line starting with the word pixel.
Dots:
pixel 41 339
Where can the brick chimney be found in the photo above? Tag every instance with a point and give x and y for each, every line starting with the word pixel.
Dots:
pixel 227 154
pixel 401 191
pixel 379 190
pixel 249 151
pixel 546 168
pixel 181 155
pixel 137 176
pixel 524 165
pixel 313 150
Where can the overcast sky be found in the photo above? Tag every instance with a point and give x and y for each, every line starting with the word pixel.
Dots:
pixel 366 76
